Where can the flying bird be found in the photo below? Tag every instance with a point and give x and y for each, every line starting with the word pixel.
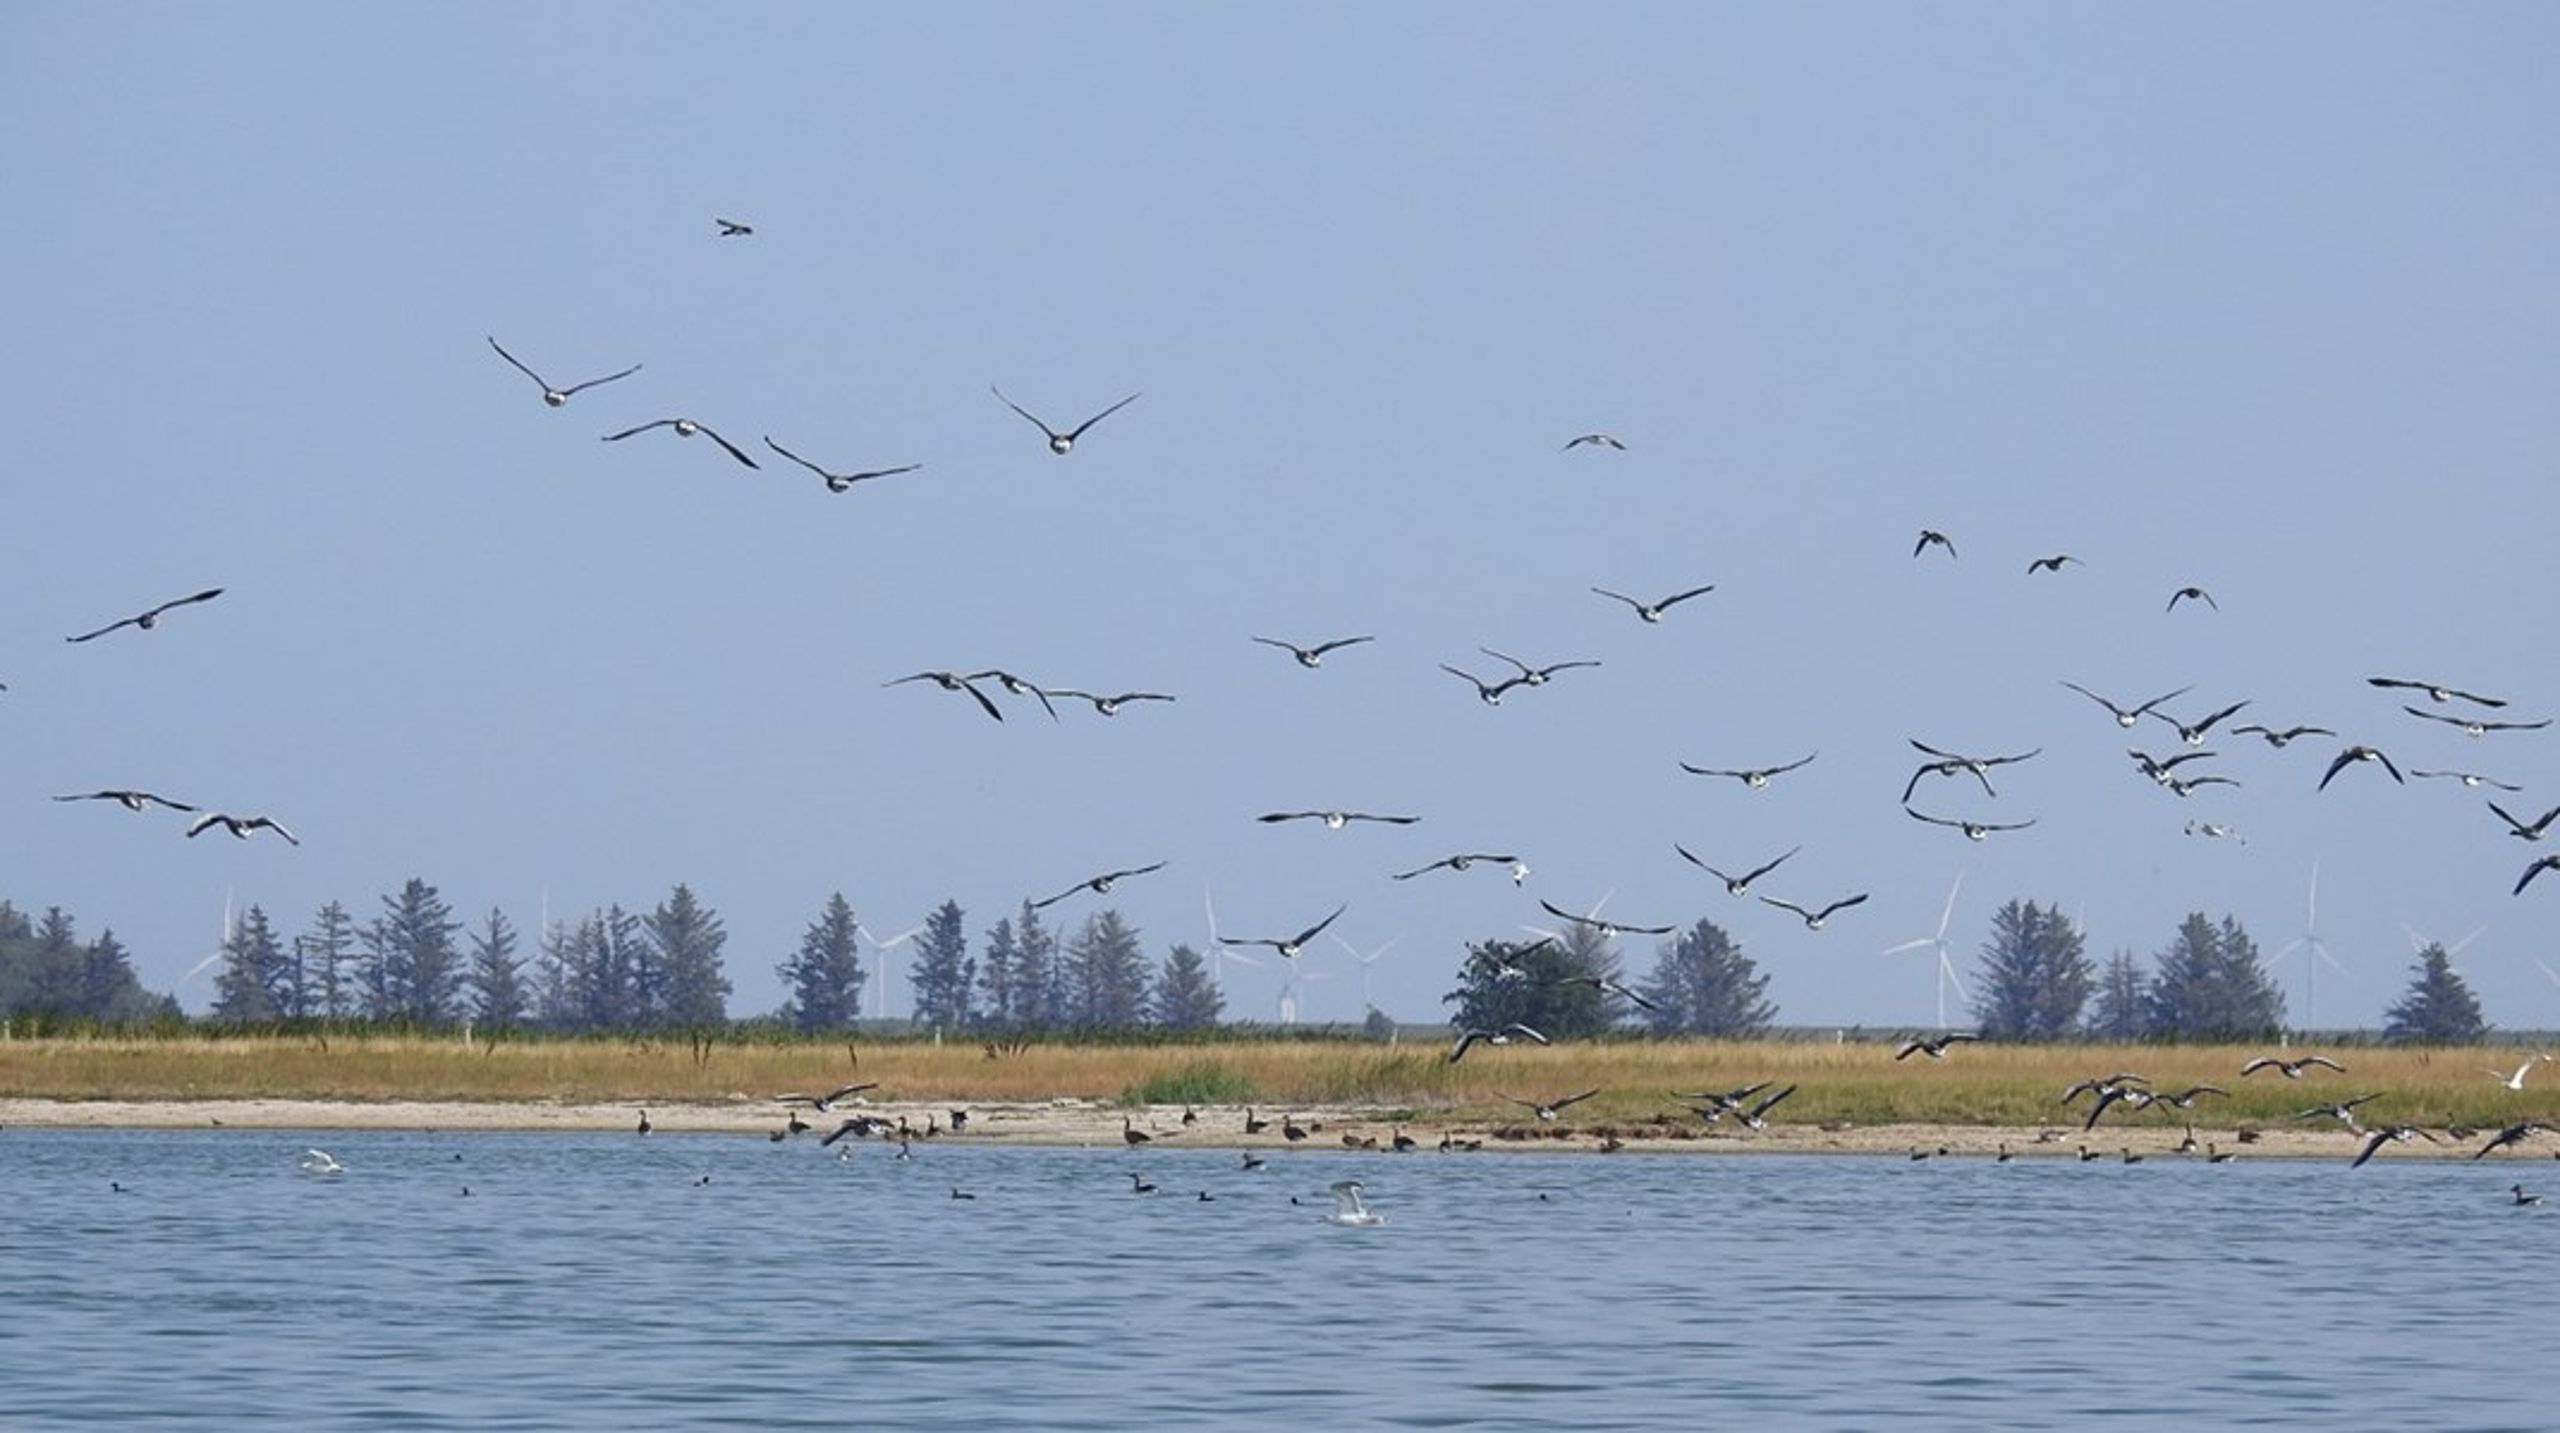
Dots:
pixel 1312 657
pixel 1933 1046
pixel 1757 1117
pixel 685 428
pixel 129 800
pixel 1547 1113
pixel 1607 929
pixel 2279 739
pixel 1606 986
pixel 1110 705
pixel 951 682
pixel 2388 1134
pixel 1099 885
pixel 2515 1133
pixel 1594 440
pixel 1535 676
pixel 1949 763
pixel 1930 535
pixel 2354 754
pixel 2343 1111
pixel 240 826
pixel 1973 830
pixel 1454 863
pixel 1290 947
pixel 1753 777
pixel 2515 828
pixel 1062 443
pixel 2050 564
pixel 2186 1099
pixel 2197 593
pixel 827 1101
pixel 731 229
pixel 1017 686
pixel 2475 726
pixel 2470 779
pixel 1734 885
pixel 1489 695
pixel 2290 1069
pixel 2129 717
pixel 145 621
pixel 1652 611
pixel 2159 769
pixel 1335 820
pixel 839 482
pixel 1348 1211
pixel 2515 1081
pixel 2193 735
pixel 1813 919
pixel 557 396
pixel 2546 863
pixel 1467 1039
pixel 2436 691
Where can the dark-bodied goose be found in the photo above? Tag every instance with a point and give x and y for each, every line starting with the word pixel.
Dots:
pixel 1931 537
pixel 827 1101
pixel 1973 830
pixel 145 621
pixel 130 800
pixel 2471 780
pixel 2054 563
pixel 1334 820
pixel 1458 862
pixel 551 396
pixel 2476 726
pixel 1099 885
pixel 2546 863
pixel 2516 1133
pixel 1736 886
pixel 1490 695
pixel 1606 987
pixel 1948 763
pixel 731 228
pixel 1813 919
pixel 1605 929
pixel 2343 1111
pixel 1757 1117
pixel 950 682
pixel 1017 686
pixel 1312 657
pixel 1468 1039
pixel 686 428
pixel 1109 705
pixel 1652 611
pixel 1594 440
pixel 1062 443
pixel 2129 717
pixel 241 826
pixel 1290 947
pixel 2353 755
pixel 1548 1112
pixel 2279 739
pixel 839 482
pixel 2193 593
pixel 2290 1069
pixel 2193 735
pixel 1535 676
pixel 1933 1046
pixel 1754 777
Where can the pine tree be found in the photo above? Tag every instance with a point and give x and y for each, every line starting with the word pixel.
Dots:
pixel 419 968
pixel 684 938
pixel 1532 993
pixel 1186 997
pixel 2439 1008
pixel 328 960
pixel 498 996
pixel 1105 975
pixel 2210 986
pixel 2122 1010
pixel 249 990
pixel 555 979
pixel 1039 983
pixel 825 975
pixel 1702 984
pixel 1001 1005
pixel 941 972
pixel 109 990
pixel 2035 976
pixel 51 965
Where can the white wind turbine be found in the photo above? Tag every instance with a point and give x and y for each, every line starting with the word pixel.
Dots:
pixel 863 932
pixel 1938 942
pixel 2419 941
pixel 1366 1002
pixel 2314 950
pixel 1220 953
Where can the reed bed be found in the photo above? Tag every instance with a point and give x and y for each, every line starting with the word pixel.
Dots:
pixel 1851 1082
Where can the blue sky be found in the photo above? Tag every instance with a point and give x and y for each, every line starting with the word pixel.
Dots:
pixel 2260 298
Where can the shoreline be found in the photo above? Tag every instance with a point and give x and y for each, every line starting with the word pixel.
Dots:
pixel 1077 1123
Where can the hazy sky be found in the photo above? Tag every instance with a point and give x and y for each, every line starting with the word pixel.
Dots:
pixel 2264 298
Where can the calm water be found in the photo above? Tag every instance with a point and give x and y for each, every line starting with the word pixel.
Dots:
pixel 590 1281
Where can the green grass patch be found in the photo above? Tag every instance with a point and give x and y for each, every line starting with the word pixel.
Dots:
pixel 1198 1082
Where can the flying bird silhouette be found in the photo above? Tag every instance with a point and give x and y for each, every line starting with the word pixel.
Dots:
pixel 2540 865
pixel 685 428
pixel 554 397
pixel 2279 739
pixel 240 826
pixel 1754 777
pixel 1468 1039
pixel 2475 726
pixel 145 621
pixel 1535 676
pixel 1594 440
pixel 839 482
pixel 2355 754
pixel 1930 536
pixel 2471 780
pixel 1608 929
pixel 133 800
pixel 2193 735
pixel 2129 717
pixel 731 228
pixel 1949 763
pixel 2436 691
pixel 1110 705
pixel 2197 593
pixel 2050 564
pixel 2521 830
pixel 952 682
pixel 1933 1046
pixel 1813 919
pixel 1312 657
pixel 1290 947
pixel 1099 885
pixel 1489 695
pixel 1973 830
pixel 1454 863
pixel 1652 611
pixel 1062 443
pixel 1335 820
pixel 1734 885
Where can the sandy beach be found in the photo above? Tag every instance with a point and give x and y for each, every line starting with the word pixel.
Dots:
pixel 1082 1123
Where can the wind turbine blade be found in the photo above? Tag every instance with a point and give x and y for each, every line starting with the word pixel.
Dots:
pixel 2547 972
pixel 1947 968
pixel 1949 913
pixel 2456 947
pixel 2417 942
pixel 2311 912
pixel 1908 945
pixel 2321 949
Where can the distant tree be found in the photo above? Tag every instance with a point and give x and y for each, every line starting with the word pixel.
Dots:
pixel 1105 975
pixel 2122 1010
pixel 108 989
pixel 825 974
pixel 555 977
pixel 2438 1009
pixel 1186 995
pixel 2035 976
pixel 328 962
pixel 49 962
pixel 45 969
pixel 1039 985
pixel 1378 1025
pixel 250 988
pixel 1000 1005
pixel 1502 982
pixel 499 1000
pixel 686 938
pixel 418 975
pixel 941 972
pixel 1702 984
pixel 2210 986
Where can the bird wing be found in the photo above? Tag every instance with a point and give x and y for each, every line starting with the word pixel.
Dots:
pixel 1844 903
pixel 519 367
pixel 985 704
pixel 1466 1039
pixel 1339 642
pixel 1684 596
pixel 845 1090
pixel 732 449
pixel 1574 1099
pixel 1786 906
pixel 215 818
pixel 2376 1141
pixel 2547 863
pixel 2335 766
pixel 592 382
pixel 2326 1063
pixel 1311 932
pixel 1078 431
pixel 1932 820
pixel 1026 417
pixel 1807 760
pixel 1605 592
pixel 271 824
pixel 2102 701
pixel 1272 816
pixel 1516 1028
pixel 643 428
pixel 89 636
pixel 795 457
pixel 1134 871
pixel 1507 657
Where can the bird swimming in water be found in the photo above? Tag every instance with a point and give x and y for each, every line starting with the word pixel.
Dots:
pixel 318 1161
